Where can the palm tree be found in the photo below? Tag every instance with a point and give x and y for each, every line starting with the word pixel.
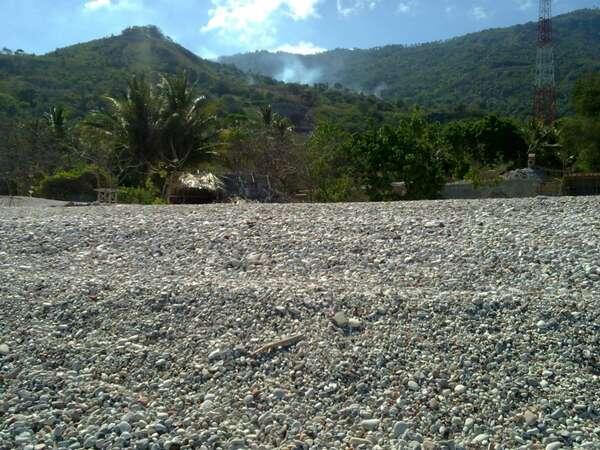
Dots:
pixel 187 131
pixel 543 141
pixel 266 114
pixel 157 129
pixel 131 126
pixel 57 121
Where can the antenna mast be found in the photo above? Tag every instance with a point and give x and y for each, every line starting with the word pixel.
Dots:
pixel 545 85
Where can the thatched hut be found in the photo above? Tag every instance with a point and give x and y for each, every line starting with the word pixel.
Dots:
pixel 196 188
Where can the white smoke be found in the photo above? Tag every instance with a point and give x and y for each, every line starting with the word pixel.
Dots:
pixel 378 91
pixel 294 71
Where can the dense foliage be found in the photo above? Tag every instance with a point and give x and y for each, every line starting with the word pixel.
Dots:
pixel 329 142
pixel 156 130
pixel 80 76
pixel 76 185
pixel 580 134
pixel 266 144
pixel 490 71
pixel 488 141
pixel 29 149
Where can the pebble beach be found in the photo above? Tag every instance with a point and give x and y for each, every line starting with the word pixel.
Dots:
pixel 412 325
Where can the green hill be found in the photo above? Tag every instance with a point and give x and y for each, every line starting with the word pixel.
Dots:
pixel 492 70
pixel 79 76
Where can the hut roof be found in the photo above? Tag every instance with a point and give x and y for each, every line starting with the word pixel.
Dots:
pixel 201 180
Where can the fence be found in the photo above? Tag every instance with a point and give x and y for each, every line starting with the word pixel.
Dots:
pixel 582 184
pixel 502 189
pixel 551 183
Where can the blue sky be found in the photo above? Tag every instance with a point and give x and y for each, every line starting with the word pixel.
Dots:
pixel 220 27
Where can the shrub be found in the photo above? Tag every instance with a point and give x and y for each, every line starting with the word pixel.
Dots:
pixel 140 196
pixel 75 185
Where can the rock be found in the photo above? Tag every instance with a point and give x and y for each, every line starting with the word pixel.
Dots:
pixel 206 405
pixel 413 386
pixel 124 427
pixel 4 349
pixel 434 224
pixel 356 443
pixel 173 445
pixel 215 355
pixel 265 419
pixel 399 429
pixel 439 307
pixel 160 428
pixel 429 445
pixel 355 323
pixel 554 446
pixel 340 319
pixel 480 438
pixel 237 444
pixel 279 394
pixel 370 424
pixel 142 444
pixel 255 258
pixel 530 418
pixel 23 438
pixel 460 389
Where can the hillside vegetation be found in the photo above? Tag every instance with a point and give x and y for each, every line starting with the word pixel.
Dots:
pixel 137 111
pixel 80 75
pixel 492 70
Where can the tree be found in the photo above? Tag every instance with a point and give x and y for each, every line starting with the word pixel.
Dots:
pixel 57 120
pixel 543 141
pixel 412 152
pixel 581 134
pixel 586 96
pixel 28 150
pixel 267 146
pixel 485 142
pixel 156 130
pixel 333 176
pixel 187 132
pixel 132 128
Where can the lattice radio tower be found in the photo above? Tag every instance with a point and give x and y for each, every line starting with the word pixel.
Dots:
pixel 545 85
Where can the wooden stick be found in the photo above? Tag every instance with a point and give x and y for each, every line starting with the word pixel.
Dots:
pixel 282 343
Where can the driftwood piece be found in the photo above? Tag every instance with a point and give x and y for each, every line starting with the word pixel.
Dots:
pixel 281 343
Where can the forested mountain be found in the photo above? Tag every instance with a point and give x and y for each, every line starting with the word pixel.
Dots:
pixel 79 76
pixel 492 70
pixel 173 112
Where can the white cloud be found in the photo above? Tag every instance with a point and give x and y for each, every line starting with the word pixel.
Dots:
pixel 94 5
pixel 349 7
pixel 251 23
pixel 301 48
pixel 479 13
pixel 449 8
pixel 403 8
pixel 407 7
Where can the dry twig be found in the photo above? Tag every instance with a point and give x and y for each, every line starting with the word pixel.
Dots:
pixel 281 343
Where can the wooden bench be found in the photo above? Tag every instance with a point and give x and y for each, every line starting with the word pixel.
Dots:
pixel 107 196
